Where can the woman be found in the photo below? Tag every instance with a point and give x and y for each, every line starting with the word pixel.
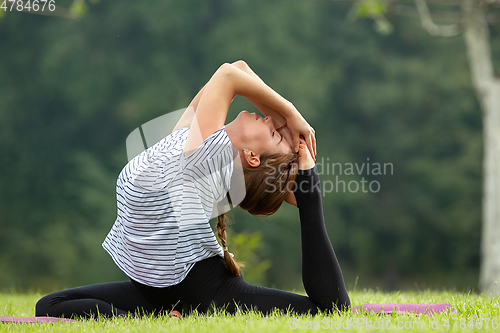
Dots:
pixel 162 238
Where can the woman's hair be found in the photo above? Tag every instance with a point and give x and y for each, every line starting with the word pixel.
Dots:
pixel 266 188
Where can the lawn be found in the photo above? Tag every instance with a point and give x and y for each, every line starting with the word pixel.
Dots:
pixel 476 313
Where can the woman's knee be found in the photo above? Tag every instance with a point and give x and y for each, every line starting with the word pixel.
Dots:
pixel 42 307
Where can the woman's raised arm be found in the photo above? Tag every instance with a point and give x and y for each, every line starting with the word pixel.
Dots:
pixel 277 117
pixel 220 90
pixel 217 95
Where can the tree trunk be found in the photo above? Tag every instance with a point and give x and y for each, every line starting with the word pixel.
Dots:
pixel 487 89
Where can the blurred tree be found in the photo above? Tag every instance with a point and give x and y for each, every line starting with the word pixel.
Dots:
pixel 474 22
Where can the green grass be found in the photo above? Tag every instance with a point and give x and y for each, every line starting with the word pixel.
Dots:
pixel 474 309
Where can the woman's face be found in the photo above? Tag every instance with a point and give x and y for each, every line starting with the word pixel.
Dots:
pixel 259 135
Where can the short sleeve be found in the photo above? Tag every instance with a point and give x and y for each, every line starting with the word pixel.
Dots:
pixel 212 146
pixel 156 167
pixel 212 164
pixel 220 169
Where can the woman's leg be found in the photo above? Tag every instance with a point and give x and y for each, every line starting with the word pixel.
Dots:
pixel 209 284
pixel 321 273
pixel 236 293
pixel 108 299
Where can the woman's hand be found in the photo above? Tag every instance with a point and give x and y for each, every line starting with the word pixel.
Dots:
pixel 305 162
pixel 287 135
pixel 298 126
pixel 283 111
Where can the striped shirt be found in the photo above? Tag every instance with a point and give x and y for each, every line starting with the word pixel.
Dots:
pixel 165 201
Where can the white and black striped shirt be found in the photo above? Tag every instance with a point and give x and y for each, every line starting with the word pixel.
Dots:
pixel 165 201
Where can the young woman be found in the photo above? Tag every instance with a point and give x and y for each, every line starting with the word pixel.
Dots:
pixel 166 196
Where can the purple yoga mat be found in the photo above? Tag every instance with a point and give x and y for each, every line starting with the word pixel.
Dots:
pixel 31 319
pixel 401 308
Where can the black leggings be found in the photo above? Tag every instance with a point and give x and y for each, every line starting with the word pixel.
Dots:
pixel 209 285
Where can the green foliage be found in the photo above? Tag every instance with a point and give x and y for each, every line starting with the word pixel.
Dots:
pixel 78 8
pixel 375 10
pixel 72 90
pixel 371 8
pixel 246 247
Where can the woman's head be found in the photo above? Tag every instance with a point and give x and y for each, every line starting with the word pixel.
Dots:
pixel 269 165
pixel 257 135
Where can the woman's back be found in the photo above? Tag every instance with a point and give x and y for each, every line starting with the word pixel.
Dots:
pixel 164 203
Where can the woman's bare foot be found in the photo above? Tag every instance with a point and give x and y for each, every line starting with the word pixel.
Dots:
pixel 305 162
pixel 305 159
pixel 175 315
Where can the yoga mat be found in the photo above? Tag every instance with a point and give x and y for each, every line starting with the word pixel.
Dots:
pixel 401 308
pixel 4 319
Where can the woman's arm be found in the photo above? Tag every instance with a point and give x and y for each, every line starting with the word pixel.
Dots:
pixel 187 117
pixel 217 95
pixel 267 111
pixel 279 119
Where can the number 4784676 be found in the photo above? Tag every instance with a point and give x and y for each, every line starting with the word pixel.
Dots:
pixel 478 323
pixel 21 6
